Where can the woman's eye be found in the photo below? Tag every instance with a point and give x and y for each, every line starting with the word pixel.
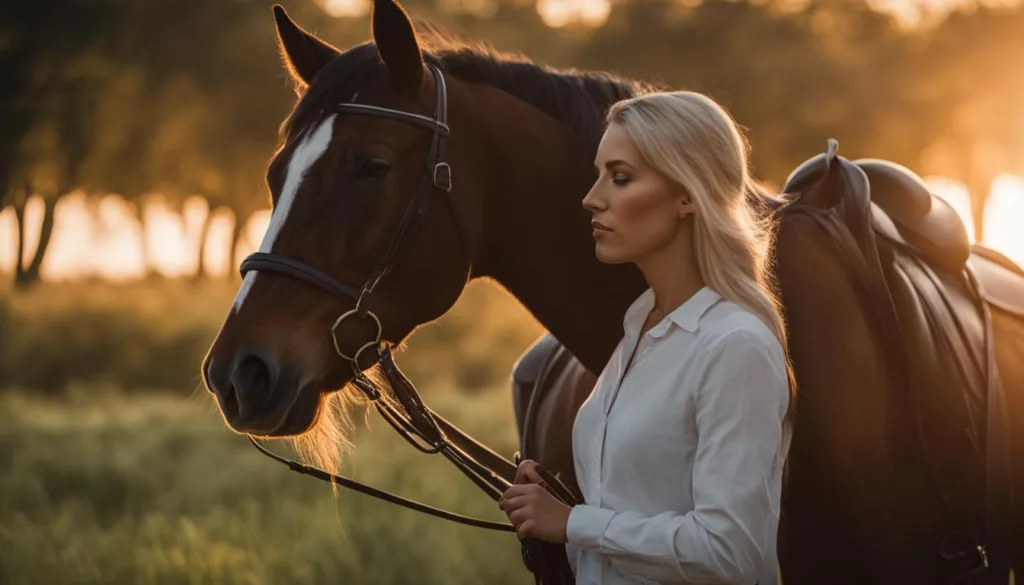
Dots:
pixel 375 167
pixel 620 179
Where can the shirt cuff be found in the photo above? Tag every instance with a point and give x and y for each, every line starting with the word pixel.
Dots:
pixel 586 525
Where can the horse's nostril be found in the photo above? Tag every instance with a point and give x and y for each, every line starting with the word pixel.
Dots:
pixel 252 382
pixel 253 373
pixel 219 380
pixel 229 401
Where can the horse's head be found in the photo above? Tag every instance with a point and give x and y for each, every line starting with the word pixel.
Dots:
pixel 364 242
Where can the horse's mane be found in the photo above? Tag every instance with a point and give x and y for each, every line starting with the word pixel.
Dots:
pixel 577 99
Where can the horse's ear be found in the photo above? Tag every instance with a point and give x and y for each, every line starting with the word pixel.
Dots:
pixel 396 42
pixel 304 54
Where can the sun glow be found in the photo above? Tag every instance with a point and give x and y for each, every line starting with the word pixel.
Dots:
pixel 346 8
pixel 594 13
pixel 106 240
pixel 559 13
pixel 1004 213
pixel 1004 217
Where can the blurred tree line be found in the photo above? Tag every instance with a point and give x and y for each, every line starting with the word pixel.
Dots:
pixel 175 98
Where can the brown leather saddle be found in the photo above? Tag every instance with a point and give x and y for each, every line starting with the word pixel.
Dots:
pixel 934 291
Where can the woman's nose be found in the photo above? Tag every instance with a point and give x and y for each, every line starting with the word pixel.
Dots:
pixel 592 202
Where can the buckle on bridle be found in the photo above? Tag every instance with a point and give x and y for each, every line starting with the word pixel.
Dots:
pixel 368 388
pixel 443 176
pixel 354 359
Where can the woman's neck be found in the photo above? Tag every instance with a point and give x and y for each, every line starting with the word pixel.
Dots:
pixel 673 274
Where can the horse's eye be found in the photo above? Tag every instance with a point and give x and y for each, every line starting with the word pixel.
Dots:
pixel 375 167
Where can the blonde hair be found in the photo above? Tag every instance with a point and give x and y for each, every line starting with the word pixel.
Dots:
pixel 696 144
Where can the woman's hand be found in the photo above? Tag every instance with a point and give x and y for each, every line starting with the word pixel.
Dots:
pixel 531 509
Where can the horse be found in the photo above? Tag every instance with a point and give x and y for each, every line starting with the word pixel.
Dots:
pixel 413 168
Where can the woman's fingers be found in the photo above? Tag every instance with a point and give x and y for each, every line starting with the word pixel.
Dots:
pixel 525 530
pixel 532 475
pixel 519 516
pixel 510 504
pixel 523 472
pixel 527 472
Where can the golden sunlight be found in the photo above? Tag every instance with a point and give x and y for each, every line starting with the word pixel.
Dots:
pixel 1003 212
pixel 106 239
pixel 957 196
pixel 345 8
pixel 1004 215
pixel 559 13
pixel 594 13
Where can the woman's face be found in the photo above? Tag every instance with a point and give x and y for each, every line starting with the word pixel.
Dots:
pixel 636 211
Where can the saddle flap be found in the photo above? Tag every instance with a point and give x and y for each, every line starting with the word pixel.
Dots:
pixel 1001 282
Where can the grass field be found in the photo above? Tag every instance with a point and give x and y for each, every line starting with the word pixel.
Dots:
pixel 153 489
pixel 116 468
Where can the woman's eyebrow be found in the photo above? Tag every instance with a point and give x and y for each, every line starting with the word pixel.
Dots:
pixel 616 162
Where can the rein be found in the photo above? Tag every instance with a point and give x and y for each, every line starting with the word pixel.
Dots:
pixel 424 426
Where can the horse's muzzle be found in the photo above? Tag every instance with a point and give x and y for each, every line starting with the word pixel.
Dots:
pixel 255 395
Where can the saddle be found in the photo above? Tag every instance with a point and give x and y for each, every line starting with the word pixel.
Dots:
pixel 906 212
pixel 932 291
pixel 903 209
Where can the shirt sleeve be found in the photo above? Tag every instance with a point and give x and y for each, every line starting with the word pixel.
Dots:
pixel 739 413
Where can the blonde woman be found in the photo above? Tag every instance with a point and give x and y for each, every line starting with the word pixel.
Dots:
pixel 680 448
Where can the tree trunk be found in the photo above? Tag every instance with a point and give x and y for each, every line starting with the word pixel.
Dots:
pixel 978 189
pixel 236 237
pixel 19 220
pixel 204 234
pixel 147 261
pixel 978 181
pixel 31 274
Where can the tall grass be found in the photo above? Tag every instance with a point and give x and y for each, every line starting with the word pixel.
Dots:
pixel 153 489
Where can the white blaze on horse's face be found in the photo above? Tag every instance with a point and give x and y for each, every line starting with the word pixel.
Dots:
pixel 303 157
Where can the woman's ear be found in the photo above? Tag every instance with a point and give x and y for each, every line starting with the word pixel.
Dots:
pixel 685 207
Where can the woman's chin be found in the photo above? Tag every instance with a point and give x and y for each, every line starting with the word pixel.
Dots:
pixel 607 255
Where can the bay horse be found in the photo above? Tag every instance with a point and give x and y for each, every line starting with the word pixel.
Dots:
pixel 906 341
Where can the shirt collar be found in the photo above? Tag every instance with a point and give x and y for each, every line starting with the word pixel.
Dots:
pixel 686 315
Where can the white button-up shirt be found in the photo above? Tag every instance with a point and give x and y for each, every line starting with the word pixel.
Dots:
pixel 680 463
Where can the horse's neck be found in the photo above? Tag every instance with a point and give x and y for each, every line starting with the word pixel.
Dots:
pixel 537 238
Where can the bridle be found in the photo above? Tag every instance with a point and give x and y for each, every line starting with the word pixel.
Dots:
pixel 482 465
pixel 438 176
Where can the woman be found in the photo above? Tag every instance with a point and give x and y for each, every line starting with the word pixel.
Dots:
pixel 680 448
